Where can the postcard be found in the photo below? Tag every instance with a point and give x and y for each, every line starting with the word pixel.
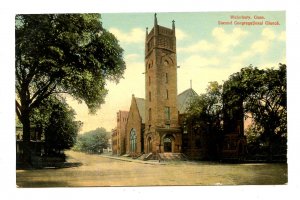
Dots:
pixel 151 99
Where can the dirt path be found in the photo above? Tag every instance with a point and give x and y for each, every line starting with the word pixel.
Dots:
pixel 101 171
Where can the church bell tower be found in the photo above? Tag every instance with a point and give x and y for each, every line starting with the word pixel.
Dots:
pixel 162 133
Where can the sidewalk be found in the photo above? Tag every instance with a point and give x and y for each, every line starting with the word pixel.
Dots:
pixel 128 159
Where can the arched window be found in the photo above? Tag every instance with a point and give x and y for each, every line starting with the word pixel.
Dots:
pixel 167 94
pixel 133 140
pixel 167 113
pixel 167 78
pixel 149 144
pixel 150 114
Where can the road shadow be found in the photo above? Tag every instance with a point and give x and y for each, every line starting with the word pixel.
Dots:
pixel 54 165
pixel 42 184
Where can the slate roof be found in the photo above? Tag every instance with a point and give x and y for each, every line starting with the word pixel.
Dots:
pixel 140 102
pixel 184 98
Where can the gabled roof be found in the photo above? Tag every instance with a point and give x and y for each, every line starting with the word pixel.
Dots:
pixel 184 98
pixel 140 102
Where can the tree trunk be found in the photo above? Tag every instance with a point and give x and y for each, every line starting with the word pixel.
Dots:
pixel 269 135
pixel 26 136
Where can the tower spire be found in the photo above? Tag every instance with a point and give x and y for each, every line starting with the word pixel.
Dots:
pixel 173 24
pixel 155 19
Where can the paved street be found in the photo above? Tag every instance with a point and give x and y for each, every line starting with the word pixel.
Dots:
pixel 97 170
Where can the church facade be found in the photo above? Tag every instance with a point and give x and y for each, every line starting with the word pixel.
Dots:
pixel 156 124
pixel 162 131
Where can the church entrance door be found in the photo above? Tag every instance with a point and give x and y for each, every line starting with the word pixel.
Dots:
pixel 167 144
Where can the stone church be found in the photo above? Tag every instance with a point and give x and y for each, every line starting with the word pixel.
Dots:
pixel 155 126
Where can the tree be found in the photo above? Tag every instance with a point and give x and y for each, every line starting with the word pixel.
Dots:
pixel 57 120
pixel 92 141
pixel 206 108
pixel 63 53
pixel 267 103
pixel 262 93
pixel 204 114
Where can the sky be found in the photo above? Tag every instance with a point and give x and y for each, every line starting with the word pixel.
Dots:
pixel 210 47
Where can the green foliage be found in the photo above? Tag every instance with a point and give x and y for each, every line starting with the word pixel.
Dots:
pixel 57 120
pixel 92 141
pixel 252 92
pixel 206 108
pixel 63 53
pixel 69 53
pixel 253 134
pixel 261 92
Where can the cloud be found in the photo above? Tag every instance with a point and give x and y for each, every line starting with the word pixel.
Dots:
pixel 238 60
pixel 226 40
pixel 264 65
pixel 180 34
pixel 282 36
pixel 200 61
pixel 222 41
pixel 131 57
pixel 260 46
pixel 135 35
pixel 268 34
pixel 202 45
pixel 257 47
pixel 201 76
